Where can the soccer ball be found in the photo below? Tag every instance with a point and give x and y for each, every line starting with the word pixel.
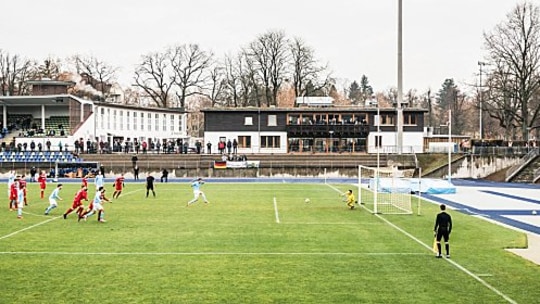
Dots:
pixel 307 200
pixel 534 212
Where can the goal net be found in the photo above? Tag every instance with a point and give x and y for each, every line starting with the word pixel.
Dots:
pixel 384 191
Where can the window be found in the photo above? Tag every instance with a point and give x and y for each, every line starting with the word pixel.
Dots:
pixel 244 141
pixel 409 119
pixel 272 120
pixel 142 121
pixel 156 122
pixel 149 121
pixel 164 121
pixel 294 119
pixel 378 141
pixel 248 121
pixel 102 118
pixel 171 127
pixel 109 119
pixel 121 120
pixel 270 141
pixel 127 120
pixel 134 120
pixel 307 119
pixel 387 119
pixel 180 117
pixel 114 119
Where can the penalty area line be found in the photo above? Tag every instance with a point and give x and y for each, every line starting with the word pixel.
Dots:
pixel 276 210
pixel 29 227
pixel 375 254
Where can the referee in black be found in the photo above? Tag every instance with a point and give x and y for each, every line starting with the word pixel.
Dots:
pixel 150 185
pixel 442 230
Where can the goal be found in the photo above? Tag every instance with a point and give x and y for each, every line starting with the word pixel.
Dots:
pixel 384 191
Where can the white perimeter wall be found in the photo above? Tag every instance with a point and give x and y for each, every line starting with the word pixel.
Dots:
pixel 214 137
pixel 412 142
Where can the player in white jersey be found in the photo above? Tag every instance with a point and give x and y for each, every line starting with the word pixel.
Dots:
pixel 55 195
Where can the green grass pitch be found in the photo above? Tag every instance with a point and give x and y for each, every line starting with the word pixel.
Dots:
pixel 254 243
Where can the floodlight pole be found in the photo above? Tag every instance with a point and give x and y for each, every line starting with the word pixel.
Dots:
pixel 378 145
pixel 450 145
pixel 480 96
pixel 400 80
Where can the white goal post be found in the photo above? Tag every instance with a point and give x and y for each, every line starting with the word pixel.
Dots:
pixel 385 191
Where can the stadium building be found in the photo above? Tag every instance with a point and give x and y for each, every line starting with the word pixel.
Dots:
pixel 315 129
pixel 52 115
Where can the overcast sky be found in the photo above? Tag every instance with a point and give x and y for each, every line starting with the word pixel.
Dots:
pixel 441 39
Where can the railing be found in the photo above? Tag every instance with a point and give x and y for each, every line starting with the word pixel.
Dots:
pixel 523 162
pixel 536 175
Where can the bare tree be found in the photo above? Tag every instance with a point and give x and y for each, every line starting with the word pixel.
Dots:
pixel 269 53
pixel 514 48
pixel 305 68
pixel 14 73
pixel 217 84
pixel 190 64
pixel 95 72
pixel 154 75
pixel 50 68
pixel 232 81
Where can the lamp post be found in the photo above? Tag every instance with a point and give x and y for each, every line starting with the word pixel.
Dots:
pixel 450 145
pixel 331 141
pixel 481 129
pixel 400 80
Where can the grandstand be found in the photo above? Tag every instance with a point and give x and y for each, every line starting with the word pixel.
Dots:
pixel 37 157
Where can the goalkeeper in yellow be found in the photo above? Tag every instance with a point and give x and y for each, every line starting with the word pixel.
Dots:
pixel 349 198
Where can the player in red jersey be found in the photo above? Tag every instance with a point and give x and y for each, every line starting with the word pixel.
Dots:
pixel 118 186
pixel 22 185
pixel 85 181
pixel 13 194
pixel 77 202
pixel 42 180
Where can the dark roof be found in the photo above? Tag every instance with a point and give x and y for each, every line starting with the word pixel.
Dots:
pixel 40 100
pixel 140 108
pixel 50 82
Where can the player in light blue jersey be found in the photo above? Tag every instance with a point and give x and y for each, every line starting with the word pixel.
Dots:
pixel 196 185
pixel 11 180
pixel 55 195
pixel 99 181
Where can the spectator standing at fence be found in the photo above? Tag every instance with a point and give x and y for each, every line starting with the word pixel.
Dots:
pixel 209 148
pixel 229 146
pixel 235 146
pixel 164 175
pixel 158 146
pixel 144 147
pixel 136 172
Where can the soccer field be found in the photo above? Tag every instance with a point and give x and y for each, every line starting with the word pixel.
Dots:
pixel 254 243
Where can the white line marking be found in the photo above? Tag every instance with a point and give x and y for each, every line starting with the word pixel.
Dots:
pixel 465 270
pixel 215 253
pixel 27 228
pixel 34 214
pixel 276 210
pixel 44 222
